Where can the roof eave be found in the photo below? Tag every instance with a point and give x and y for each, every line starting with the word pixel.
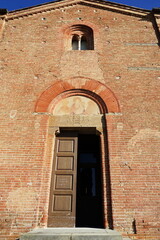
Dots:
pixel 65 3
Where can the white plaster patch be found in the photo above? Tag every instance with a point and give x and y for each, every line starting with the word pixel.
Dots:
pixel 20 199
pixel 36 125
pixel 29 184
pixel 120 126
pixel 13 114
pixel 142 135
pixel 118 77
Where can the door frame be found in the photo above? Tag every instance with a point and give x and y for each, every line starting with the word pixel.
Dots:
pixel 92 123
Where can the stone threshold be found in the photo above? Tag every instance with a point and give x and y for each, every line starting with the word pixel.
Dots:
pixel 71 234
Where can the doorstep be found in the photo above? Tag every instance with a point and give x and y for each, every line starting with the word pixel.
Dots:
pixel 71 234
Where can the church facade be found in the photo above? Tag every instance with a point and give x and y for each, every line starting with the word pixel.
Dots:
pixel 80 121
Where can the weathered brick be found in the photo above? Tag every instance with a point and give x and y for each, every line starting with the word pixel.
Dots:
pixel 123 70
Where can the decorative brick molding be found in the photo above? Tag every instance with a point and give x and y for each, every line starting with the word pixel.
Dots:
pixel 98 92
pixel 48 7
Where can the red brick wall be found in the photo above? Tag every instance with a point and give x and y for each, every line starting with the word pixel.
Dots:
pixel 126 60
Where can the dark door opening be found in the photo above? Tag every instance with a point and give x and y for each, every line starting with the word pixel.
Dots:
pixel 89 212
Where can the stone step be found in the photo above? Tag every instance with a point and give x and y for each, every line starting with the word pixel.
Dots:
pixel 71 234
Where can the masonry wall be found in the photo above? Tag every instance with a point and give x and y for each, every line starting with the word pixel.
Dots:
pixel 33 56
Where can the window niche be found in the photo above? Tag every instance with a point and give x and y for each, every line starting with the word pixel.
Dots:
pixel 80 37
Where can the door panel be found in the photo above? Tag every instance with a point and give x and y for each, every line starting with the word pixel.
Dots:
pixel 65 163
pixel 64 182
pixel 63 186
pixel 62 203
pixel 66 145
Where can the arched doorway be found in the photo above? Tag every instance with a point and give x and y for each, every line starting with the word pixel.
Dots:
pixel 77 116
pixel 76 185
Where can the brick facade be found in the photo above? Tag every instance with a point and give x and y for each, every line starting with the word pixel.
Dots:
pixel 121 74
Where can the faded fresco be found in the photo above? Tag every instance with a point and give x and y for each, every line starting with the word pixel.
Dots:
pixel 76 105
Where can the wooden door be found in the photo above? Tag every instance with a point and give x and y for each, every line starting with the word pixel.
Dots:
pixel 62 207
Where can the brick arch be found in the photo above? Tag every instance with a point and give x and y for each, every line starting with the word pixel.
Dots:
pixel 67 26
pixel 98 92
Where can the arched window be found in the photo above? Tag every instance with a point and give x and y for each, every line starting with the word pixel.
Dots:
pixel 80 37
pixel 84 44
pixel 75 42
pixel 79 43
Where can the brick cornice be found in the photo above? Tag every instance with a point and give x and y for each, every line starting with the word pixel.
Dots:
pixel 67 3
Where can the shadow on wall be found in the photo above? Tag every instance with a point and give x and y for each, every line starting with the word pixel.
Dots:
pixel 108 177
